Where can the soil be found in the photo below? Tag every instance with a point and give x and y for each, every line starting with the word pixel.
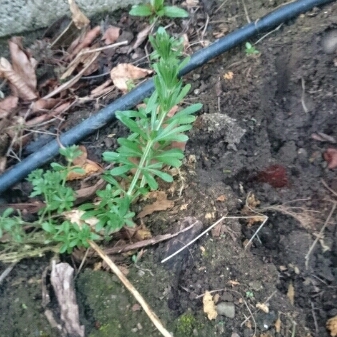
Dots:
pixel 251 145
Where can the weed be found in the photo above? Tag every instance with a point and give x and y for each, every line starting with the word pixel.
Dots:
pixel 250 49
pixel 156 9
pixel 138 163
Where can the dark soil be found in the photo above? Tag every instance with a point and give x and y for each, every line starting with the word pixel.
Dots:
pixel 253 136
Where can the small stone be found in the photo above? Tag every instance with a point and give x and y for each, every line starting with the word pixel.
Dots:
pixel 255 285
pixel 226 309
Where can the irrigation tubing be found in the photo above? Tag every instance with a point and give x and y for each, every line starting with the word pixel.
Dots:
pixel 128 101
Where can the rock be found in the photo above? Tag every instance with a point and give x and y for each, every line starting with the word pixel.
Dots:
pixel 26 15
pixel 226 309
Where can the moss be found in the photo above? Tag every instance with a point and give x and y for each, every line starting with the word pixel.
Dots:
pixel 186 324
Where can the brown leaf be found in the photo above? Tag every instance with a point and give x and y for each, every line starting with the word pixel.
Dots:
pixel 7 105
pixel 331 325
pixel 44 104
pixel 75 215
pixel 141 36
pixel 79 19
pixel 22 62
pixel 85 42
pixel 89 167
pixel 278 325
pixel 18 86
pixel 86 193
pixel 125 72
pixel 209 306
pixel 262 306
pixel 221 198
pixel 161 204
pixel 80 160
pixel 111 35
pixel 291 293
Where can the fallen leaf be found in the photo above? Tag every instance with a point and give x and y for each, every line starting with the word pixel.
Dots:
pixel 161 204
pixel 44 104
pixel 331 325
pixel 89 167
pixel 262 306
pixel 111 35
pixel 141 36
pixel 75 215
pixel 142 234
pixel 192 3
pixel 209 306
pixel 125 72
pixel 330 156
pixel 79 19
pixel 84 42
pixel 221 198
pixel 7 105
pixel 233 283
pixel 22 62
pixel 278 325
pixel 18 86
pixel 291 293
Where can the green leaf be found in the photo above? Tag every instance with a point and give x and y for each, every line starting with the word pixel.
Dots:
pixel 175 12
pixel 7 212
pixel 48 227
pixel 162 175
pixel 111 157
pixel 132 125
pixel 171 157
pixel 57 167
pixel 173 134
pixel 150 181
pixel 117 171
pixel 141 10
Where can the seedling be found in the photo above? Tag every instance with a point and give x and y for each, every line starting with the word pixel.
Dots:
pixel 138 164
pixel 156 9
pixel 250 49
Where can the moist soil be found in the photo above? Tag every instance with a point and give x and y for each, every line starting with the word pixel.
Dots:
pixel 252 146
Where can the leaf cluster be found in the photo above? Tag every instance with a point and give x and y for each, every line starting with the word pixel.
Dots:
pixel 156 9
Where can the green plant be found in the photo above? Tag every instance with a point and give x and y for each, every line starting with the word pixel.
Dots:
pixel 250 49
pixel 138 163
pixel 156 9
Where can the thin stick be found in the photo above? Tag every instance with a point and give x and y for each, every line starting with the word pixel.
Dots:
pixel 246 11
pixel 327 187
pixel 264 36
pixel 6 272
pixel 319 236
pixel 155 320
pixel 195 239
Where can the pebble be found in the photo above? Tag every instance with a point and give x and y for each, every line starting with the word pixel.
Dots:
pixel 226 309
pixel 329 42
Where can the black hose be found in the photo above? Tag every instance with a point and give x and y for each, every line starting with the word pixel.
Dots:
pixel 100 119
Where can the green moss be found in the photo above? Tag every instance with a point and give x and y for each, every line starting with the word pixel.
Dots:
pixel 186 324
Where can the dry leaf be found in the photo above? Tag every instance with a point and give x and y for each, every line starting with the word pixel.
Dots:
pixel 44 104
pixel 278 325
pixel 22 62
pixel 18 86
pixel 7 105
pixel 229 75
pixel 331 325
pixel 79 19
pixel 142 234
pixel 111 35
pixel 86 164
pixel 262 306
pixel 209 306
pixel 85 42
pixel 136 307
pixel 291 293
pixel 192 3
pixel 161 204
pixel 233 283
pixel 75 215
pixel 141 36
pixel 221 198
pixel 125 72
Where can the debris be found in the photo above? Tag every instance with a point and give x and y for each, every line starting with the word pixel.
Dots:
pixel 228 76
pixel 331 325
pixel 291 293
pixel 62 281
pixel 262 306
pixel 88 166
pixel 7 105
pixel 161 204
pixel 330 156
pixel 125 72
pixel 111 35
pixel 209 306
pixel 79 19
pixel 141 36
